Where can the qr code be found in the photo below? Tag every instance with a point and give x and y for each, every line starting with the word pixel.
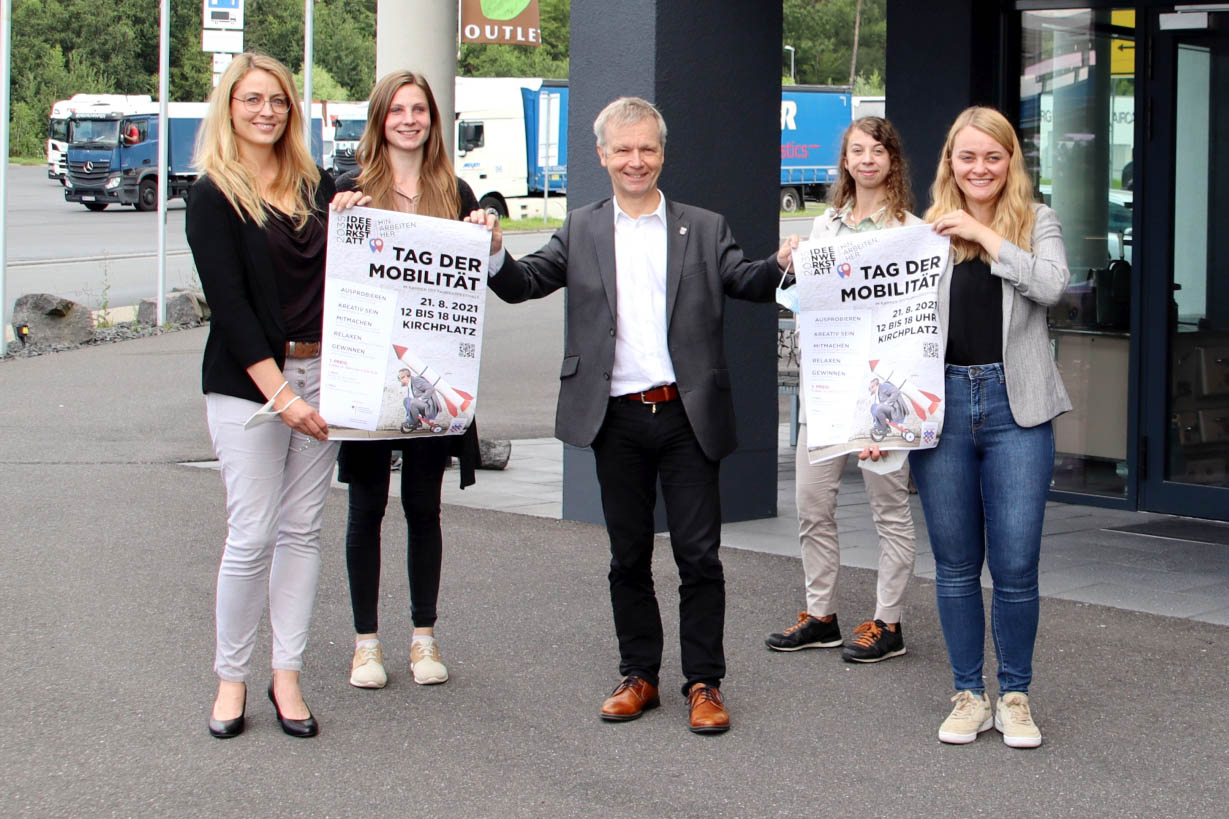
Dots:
pixel 930 350
pixel 468 350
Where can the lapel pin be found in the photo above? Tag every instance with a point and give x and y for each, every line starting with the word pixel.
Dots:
pixel 682 231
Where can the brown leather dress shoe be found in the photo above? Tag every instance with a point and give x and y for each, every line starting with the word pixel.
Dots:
pixel 631 698
pixel 708 712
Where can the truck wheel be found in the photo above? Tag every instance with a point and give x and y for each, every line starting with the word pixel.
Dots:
pixel 95 206
pixel 791 200
pixel 494 205
pixel 147 194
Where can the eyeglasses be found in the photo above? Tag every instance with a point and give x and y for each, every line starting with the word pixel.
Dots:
pixel 256 103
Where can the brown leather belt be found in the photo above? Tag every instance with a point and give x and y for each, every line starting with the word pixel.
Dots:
pixel 302 349
pixel 657 395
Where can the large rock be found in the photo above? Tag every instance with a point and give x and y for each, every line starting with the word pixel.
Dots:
pixel 182 307
pixel 199 295
pixel 52 319
pixel 493 453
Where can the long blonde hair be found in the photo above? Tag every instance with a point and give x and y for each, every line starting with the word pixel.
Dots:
pixel 1013 212
pixel 217 153
pixel 899 192
pixel 437 182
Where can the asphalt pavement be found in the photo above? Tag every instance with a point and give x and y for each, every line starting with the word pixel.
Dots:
pixel 111 552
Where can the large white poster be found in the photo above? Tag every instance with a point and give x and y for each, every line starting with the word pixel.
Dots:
pixel 403 310
pixel 872 363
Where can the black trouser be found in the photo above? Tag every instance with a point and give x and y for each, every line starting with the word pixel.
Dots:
pixel 422 476
pixel 633 449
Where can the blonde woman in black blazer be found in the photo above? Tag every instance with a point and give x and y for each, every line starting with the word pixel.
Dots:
pixel 256 223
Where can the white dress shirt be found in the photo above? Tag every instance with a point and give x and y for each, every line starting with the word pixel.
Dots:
pixel 642 355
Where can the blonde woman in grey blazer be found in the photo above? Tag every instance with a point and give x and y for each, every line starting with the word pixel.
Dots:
pixel 984 487
pixel 872 192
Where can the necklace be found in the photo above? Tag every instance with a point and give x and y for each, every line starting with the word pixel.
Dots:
pixel 413 198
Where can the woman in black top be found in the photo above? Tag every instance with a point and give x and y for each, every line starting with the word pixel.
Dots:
pixel 984 487
pixel 256 225
pixel 404 166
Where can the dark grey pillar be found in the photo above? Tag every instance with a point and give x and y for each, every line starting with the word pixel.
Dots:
pixel 924 91
pixel 713 67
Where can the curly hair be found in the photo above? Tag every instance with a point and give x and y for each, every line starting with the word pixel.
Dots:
pixel 899 191
pixel 217 153
pixel 437 182
pixel 1013 212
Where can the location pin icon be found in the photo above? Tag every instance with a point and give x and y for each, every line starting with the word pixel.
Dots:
pixel 377 245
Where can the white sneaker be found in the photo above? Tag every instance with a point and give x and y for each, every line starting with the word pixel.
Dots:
pixel 367 668
pixel 969 718
pixel 1013 720
pixel 425 662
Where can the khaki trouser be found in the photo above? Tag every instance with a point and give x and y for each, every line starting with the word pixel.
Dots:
pixel 817 485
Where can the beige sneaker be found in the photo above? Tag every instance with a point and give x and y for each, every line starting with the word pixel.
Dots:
pixel 969 718
pixel 425 662
pixel 1013 720
pixel 367 667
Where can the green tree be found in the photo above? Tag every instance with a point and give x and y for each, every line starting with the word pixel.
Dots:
pixel 345 43
pixel 324 86
pixel 821 31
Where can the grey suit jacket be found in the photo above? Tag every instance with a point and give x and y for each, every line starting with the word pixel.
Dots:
pixel 703 265
pixel 1031 283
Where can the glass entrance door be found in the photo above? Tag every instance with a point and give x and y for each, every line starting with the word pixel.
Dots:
pixel 1186 310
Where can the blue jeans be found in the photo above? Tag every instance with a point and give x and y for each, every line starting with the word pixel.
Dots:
pixel 983 491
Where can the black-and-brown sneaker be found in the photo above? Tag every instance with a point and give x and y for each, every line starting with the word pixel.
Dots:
pixel 873 641
pixel 808 632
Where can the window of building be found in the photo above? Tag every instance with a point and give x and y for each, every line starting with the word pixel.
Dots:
pixel 1077 126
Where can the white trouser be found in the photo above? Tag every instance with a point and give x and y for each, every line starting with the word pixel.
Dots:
pixel 276 484
pixel 816 489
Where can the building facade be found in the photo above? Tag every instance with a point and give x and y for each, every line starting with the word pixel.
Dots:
pixel 1123 112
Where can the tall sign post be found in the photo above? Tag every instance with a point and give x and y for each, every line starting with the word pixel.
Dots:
pixel 6 41
pixel 164 139
pixel 222 32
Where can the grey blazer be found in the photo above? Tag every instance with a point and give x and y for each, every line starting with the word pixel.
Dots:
pixel 703 265
pixel 1031 283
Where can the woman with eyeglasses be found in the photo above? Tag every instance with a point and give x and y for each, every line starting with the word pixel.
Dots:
pixel 984 487
pixel 256 223
pixel 403 166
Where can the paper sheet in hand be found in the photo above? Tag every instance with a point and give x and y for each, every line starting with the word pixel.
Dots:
pixel 404 300
pixel 872 363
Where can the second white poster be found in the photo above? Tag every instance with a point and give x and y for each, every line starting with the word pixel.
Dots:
pixel 872 366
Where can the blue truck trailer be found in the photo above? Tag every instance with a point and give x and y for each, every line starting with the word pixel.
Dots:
pixel 113 157
pixel 508 149
pixel 813 119
pixel 512 141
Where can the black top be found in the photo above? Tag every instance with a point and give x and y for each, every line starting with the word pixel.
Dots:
pixel 348 181
pixel 365 461
pixel 975 323
pixel 298 269
pixel 236 270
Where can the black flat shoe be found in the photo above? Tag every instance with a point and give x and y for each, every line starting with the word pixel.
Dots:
pixel 227 728
pixel 295 727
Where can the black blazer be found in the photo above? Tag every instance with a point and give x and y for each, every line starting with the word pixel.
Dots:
pixel 703 265
pixel 232 259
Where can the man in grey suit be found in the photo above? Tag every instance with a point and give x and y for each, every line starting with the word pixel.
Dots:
pixel 645 383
